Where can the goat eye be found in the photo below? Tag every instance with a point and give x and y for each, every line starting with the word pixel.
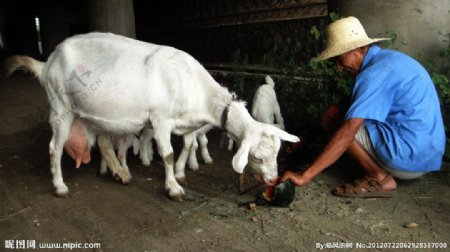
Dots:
pixel 257 160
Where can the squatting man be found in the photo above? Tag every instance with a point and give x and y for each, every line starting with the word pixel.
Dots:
pixel 392 125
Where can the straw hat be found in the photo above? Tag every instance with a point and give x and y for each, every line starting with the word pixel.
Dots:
pixel 343 36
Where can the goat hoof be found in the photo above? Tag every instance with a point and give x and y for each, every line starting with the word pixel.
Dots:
pixel 146 163
pixel 62 194
pixel 62 191
pixel 117 177
pixel 194 167
pixel 126 181
pixel 178 198
pixel 175 191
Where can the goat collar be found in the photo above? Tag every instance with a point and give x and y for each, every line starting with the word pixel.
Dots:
pixel 224 118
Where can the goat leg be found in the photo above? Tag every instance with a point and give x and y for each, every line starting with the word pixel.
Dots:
pixel 107 151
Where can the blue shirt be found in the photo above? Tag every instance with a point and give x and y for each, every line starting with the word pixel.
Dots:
pixel 398 100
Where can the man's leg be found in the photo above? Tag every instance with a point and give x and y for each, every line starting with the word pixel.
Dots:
pixel 330 121
pixel 363 140
pixel 362 151
pixel 375 184
pixel 369 165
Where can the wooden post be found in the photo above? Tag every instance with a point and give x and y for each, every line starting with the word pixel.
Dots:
pixel 116 16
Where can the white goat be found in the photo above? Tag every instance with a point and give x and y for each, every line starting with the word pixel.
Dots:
pixel 119 85
pixel 265 107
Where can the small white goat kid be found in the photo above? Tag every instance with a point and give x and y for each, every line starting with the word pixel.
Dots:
pixel 265 107
pixel 118 85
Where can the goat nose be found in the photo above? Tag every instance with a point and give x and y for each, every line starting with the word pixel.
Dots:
pixel 272 181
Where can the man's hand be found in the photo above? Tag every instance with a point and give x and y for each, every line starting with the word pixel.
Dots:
pixel 339 143
pixel 298 178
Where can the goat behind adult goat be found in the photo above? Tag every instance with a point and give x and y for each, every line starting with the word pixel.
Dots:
pixel 265 107
pixel 119 85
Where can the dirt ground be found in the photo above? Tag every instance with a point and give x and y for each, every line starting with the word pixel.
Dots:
pixel 140 216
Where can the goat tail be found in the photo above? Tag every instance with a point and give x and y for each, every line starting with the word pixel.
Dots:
pixel 25 63
pixel 269 80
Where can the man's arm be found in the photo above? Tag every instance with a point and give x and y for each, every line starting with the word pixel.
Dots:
pixel 337 145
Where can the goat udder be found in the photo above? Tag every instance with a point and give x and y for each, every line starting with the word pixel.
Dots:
pixel 77 144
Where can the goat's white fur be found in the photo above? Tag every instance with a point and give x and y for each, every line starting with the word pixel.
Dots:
pixel 146 146
pixel 265 107
pixel 119 85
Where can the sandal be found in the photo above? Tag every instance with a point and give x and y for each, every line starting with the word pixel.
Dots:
pixel 366 187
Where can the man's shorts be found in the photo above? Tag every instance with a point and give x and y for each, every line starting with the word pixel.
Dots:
pixel 362 136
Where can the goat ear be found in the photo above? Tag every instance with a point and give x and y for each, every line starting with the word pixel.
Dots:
pixel 283 135
pixel 240 159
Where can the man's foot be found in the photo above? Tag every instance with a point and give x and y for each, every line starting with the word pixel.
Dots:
pixel 367 187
